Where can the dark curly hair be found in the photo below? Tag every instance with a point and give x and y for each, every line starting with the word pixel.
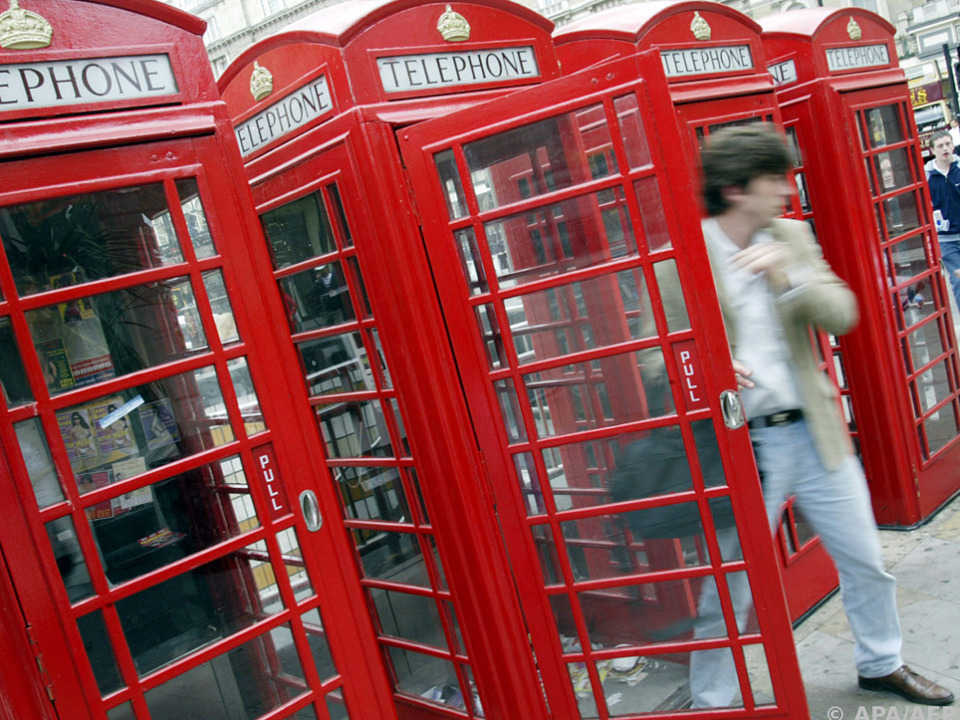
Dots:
pixel 737 155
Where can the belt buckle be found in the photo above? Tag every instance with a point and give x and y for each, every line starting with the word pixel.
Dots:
pixel 780 418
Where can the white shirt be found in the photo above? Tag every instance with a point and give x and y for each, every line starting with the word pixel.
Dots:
pixel 760 341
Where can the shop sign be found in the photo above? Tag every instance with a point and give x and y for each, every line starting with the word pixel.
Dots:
pixel 87 80
pixel 858 57
pixel 437 71
pixel 706 61
pixel 293 111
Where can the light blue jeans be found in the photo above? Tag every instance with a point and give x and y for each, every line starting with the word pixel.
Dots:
pixel 950 255
pixel 837 505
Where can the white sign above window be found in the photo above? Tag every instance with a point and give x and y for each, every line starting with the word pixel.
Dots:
pixel 408 73
pixel 86 80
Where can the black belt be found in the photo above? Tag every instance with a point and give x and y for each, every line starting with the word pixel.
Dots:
pixel 784 417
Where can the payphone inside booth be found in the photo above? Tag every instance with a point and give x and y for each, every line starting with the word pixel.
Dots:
pixel 166 543
pixel 713 59
pixel 846 105
pixel 502 336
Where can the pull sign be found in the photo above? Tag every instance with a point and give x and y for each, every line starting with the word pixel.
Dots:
pixel 691 375
pixel 270 476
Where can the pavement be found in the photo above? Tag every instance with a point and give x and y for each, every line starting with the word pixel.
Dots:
pixel 926 563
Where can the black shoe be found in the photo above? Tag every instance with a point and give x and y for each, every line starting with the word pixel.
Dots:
pixel 907 684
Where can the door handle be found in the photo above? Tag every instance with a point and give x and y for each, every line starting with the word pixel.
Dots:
pixel 311 510
pixel 732 409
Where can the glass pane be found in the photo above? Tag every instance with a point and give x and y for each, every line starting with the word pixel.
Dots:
pixel 62 535
pixel 531 160
pixel 529 483
pixel 147 426
pixel 631 128
pixel 319 648
pixel 901 213
pixel 336 708
pixel 355 429
pixel 493 339
pixel 64 241
pixel 36 457
pixel 466 242
pixel 892 171
pixel 452 187
pixel 582 686
pixel 196 218
pixel 585 315
pixel 598 393
pixel 432 678
pixel 298 231
pixel 143 530
pixel 674 305
pixel 182 614
pixel 654 219
pixel 759 672
pixel 373 493
pixel 121 712
pixel 884 125
pixel 220 304
pixel 941 428
pixel 246 396
pixel 333 196
pixel 13 378
pixel 336 364
pixel 559 238
pixel 410 617
pixel 103 336
pixel 909 259
pixel 241 684
pixel 317 298
pixel 393 556
pixel 510 410
pixel 100 652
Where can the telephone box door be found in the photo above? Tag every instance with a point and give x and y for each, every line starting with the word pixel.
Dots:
pixel 591 350
pixel 164 537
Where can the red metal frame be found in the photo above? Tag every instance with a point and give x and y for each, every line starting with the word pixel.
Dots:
pixel 907 483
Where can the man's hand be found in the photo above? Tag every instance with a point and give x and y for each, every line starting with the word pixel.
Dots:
pixel 769 259
pixel 743 374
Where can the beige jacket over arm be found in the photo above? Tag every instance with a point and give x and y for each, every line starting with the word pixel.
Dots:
pixel 819 299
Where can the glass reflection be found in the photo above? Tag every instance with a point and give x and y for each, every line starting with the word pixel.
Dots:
pixel 65 241
pixel 121 435
pixel 558 238
pixel 245 682
pixel 529 161
pixel 90 339
pixel 355 429
pixel 298 231
pixel 195 218
pixel 317 298
pixel 336 364
pixel 13 378
pixel 39 464
pixel 62 535
pixel 99 650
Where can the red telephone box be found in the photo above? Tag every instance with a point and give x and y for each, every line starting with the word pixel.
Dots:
pixel 167 547
pixel 713 59
pixel 502 339
pixel 847 110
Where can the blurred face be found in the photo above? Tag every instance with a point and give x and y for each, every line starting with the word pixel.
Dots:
pixel 763 199
pixel 943 150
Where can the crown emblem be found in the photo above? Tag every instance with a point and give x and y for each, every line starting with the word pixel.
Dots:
pixel 23 29
pixel 453 26
pixel 700 27
pixel 261 82
pixel 853 30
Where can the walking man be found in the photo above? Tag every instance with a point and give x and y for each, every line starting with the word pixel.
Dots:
pixel 774 287
pixel 943 177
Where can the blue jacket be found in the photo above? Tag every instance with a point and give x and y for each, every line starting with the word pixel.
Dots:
pixel 945 193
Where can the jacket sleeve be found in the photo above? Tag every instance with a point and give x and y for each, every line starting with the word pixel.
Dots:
pixel 816 296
